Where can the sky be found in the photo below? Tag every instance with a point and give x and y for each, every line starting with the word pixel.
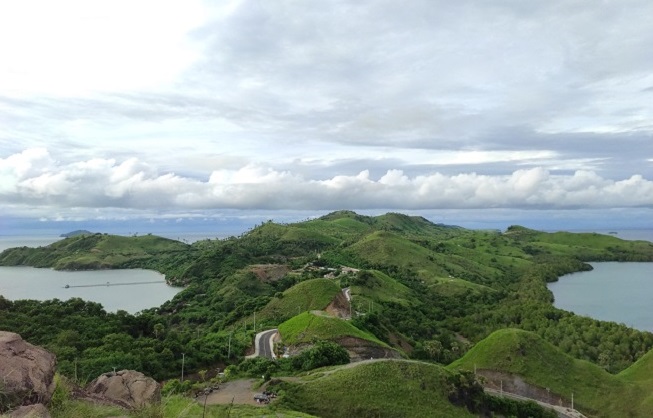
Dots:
pixel 467 112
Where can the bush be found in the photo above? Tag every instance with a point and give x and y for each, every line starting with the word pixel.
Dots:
pixel 323 353
pixel 257 367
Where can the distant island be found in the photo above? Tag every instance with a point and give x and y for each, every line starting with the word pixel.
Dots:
pixel 76 233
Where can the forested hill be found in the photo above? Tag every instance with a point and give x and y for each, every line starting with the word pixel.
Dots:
pixel 427 290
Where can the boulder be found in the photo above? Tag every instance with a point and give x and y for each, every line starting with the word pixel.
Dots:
pixel 128 388
pixel 31 411
pixel 26 372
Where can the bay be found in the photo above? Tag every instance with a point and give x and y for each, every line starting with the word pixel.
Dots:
pixel 41 284
pixel 613 291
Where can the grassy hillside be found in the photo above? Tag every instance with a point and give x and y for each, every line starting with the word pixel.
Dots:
pixel 389 388
pixel 96 251
pixel 387 248
pixel 306 327
pixel 584 246
pixel 596 392
pixel 313 294
pixel 379 287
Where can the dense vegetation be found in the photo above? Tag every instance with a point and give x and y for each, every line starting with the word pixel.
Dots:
pixel 428 290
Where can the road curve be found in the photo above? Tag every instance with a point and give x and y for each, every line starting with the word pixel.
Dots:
pixel 263 344
pixel 561 411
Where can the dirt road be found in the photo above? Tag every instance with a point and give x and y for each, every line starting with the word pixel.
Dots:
pixel 239 390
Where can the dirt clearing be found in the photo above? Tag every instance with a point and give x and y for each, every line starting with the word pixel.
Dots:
pixel 239 390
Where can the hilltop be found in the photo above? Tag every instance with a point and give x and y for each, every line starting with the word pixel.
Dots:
pixel 75 233
pixel 423 290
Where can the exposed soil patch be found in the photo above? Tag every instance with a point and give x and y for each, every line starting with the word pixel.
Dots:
pixel 515 384
pixel 360 349
pixel 398 341
pixel 269 272
pixel 339 307
pixel 240 391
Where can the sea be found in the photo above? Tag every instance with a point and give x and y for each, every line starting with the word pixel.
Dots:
pixel 130 290
pixel 617 292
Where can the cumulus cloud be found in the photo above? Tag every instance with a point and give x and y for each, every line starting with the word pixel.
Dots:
pixel 107 183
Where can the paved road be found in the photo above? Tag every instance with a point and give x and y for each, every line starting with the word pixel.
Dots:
pixel 561 411
pixel 263 343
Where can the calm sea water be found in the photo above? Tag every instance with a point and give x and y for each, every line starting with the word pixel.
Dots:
pixel 618 292
pixel 43 284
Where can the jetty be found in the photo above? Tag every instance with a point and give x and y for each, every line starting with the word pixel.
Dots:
pixel 70 286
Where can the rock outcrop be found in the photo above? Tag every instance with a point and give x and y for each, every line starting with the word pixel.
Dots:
pixel 127 388
pixel 26 372
pixel 360 349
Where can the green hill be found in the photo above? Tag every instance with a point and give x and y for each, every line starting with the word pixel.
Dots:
pixel 387 248
pixel 313 294
pixel 388 388
pixel 92 252
pixel 306 327
pixel 539 363
pixel 378 287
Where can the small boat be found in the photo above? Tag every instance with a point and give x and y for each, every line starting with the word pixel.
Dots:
pixel 67 286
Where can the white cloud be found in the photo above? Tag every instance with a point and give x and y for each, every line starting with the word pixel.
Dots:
pixel 73 47
pixel 133 184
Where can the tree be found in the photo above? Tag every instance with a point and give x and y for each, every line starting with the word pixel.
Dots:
pixel 433 348
pixel 323 353
pixel 158 329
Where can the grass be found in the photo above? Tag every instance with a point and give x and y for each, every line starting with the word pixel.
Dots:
pixel 96 251
pixel 344 228
pixel 174 406
pixel 451 286
pixel 596 392
pixel 182 407
pixel 63 405
pixel 385 388
pixel 382 288
pixel 306 327
pixel 387 248
pixel 315 294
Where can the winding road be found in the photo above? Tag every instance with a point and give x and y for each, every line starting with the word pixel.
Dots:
pixel 263 344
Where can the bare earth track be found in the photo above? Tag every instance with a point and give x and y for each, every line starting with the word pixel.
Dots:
pixel 240 391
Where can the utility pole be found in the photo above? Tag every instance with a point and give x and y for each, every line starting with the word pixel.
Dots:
pixel 254 322
pixel 548 395
pixel 572 400
pixel 229 349
pixel 183 360
pixel 206 396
